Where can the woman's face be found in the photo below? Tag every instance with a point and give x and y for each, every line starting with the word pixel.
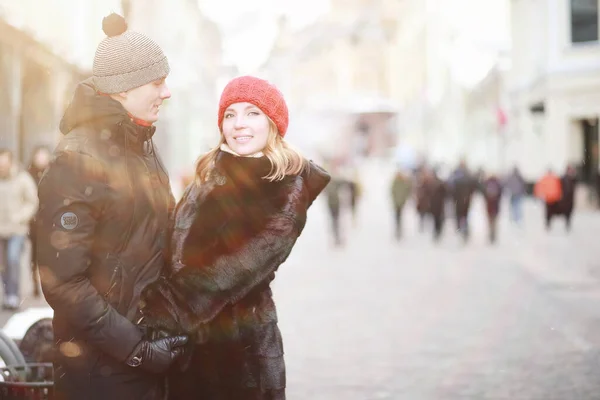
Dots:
pixel 245 128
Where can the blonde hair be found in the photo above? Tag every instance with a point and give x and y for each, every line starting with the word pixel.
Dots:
pixel 285 159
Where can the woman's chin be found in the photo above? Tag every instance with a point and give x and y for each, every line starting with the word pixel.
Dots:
pixel 244 150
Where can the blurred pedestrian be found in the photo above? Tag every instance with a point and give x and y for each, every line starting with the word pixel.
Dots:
pixel 102 228
pixel 400 190
pixel 492 193
pixel 516 186
pixel 549 190
pixel 436 192
pixel 597 187
pixel 333 193
pixel 355 191
pixel 462 186
pixel 422 195
pixel 18 206
pixel 39 162
pixel 568 186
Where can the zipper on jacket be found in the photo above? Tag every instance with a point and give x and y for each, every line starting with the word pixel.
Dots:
pixel 113 280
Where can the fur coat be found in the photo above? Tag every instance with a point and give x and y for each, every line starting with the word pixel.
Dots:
pixel 230 236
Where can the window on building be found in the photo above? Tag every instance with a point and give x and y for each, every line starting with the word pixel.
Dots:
pixel 584 21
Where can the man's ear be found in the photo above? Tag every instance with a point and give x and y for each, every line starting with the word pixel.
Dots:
pixel 120 97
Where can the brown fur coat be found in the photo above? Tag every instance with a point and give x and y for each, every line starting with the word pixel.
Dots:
pixel 230 235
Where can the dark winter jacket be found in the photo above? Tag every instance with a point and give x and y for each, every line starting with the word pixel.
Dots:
pixel 462 185
pixel 230 236
pixel 568 185
pixel 436 192
pixel 491 189
pixel 102 227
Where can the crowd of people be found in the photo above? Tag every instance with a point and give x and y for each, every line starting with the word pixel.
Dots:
pixel 437 199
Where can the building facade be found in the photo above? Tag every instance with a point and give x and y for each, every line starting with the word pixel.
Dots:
pixel 336 78
pixel 41 61
pixel 554 86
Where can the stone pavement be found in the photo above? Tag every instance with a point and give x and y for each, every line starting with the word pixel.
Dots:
pixel 380 319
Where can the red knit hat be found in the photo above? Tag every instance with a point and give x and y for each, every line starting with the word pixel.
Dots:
pixel 249 89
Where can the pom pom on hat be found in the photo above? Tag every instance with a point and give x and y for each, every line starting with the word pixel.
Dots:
pixel 114 25
pixel 264 95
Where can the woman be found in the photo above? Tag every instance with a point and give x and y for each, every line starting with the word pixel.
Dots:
pixel 492 193
pixel 516 185
pixel 235 225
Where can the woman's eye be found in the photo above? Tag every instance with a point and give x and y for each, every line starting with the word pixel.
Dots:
pixel 253 113
pixel 228 115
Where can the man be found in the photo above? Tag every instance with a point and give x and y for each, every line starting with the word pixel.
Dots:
pixel 105 201
pixel 436 193
pixel 19 204
pixel 568 184
pixel 400 191
pixel 463 185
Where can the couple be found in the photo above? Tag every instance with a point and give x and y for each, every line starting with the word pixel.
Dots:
pixel 143 289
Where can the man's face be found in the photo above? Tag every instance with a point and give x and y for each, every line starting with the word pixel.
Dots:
pixel 5 163
pixel 144 102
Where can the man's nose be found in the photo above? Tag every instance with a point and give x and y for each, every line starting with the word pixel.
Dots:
pixel 166 93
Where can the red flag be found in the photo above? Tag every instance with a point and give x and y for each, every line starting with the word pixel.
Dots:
pixel 501 117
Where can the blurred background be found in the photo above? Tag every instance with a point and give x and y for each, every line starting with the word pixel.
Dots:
pixel 498 83
pixel 465 111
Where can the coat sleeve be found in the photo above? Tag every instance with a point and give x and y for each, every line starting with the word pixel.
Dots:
pixel 196 294
pixel 29 196
pixel 72 198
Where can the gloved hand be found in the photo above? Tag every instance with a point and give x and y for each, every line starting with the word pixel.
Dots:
pixel 156 356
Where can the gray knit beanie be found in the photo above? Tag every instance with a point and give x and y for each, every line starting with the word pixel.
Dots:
pixel 126 60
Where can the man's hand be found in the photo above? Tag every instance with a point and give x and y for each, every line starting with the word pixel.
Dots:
pixel 156 356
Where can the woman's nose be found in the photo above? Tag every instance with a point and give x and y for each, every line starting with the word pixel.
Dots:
pixel 239 122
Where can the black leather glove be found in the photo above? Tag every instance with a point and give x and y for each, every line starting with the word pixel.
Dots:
pixel 156 356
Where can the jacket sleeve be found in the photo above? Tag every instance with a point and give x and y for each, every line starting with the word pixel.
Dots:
pixel 29 197
pixel 196 294
pixel 72 198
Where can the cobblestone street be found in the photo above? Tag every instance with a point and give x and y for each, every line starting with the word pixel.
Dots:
pixel 380 319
